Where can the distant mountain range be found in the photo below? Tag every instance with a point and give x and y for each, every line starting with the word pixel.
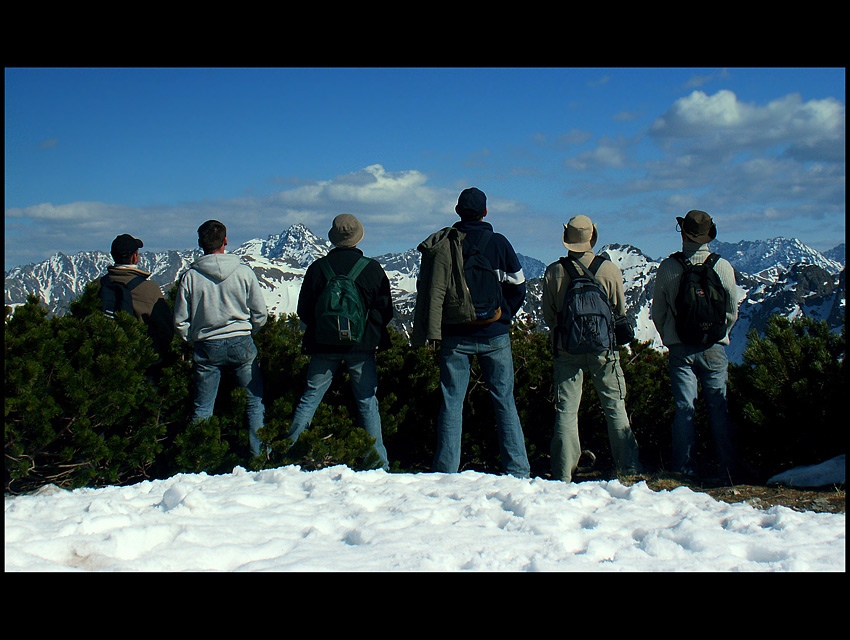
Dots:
pixel 777 276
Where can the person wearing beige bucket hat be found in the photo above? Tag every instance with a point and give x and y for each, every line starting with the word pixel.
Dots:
pixel 690 362
pixel 601 362
pixel 358 357
pixel 580 234
pixel 346 231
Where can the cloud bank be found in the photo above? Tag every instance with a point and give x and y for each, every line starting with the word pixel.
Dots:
pixel 756 168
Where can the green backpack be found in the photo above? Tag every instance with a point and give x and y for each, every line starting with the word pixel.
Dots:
pixel 340 312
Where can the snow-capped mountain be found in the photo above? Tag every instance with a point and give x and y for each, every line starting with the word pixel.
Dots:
pixel 297 245
pixel 766 260
pixel 774 276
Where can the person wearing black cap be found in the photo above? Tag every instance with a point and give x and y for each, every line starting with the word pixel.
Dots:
pixel 690 363
pixel 489 341
pixel 149 303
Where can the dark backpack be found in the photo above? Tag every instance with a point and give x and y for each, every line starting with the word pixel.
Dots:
pixel 115 297
pixel 586 320
pixel 700 303
pixel 482 283
pixel 340 311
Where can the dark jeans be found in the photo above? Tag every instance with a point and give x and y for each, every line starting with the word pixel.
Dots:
pixel 689 365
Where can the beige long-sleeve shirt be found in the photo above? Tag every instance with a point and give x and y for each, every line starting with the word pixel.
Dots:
pixel 667 286
pixel 556 281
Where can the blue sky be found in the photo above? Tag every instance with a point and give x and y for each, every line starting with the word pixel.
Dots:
pixel 91 153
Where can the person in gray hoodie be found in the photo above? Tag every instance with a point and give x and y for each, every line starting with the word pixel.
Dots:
pixel 219 307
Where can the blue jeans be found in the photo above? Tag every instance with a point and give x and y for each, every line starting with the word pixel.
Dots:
pixel 238 355
pixel 364 384
pixel 688 366
pixel 497 366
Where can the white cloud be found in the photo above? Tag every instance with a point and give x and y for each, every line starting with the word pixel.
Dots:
pixel 398 210
pixel 720 124
pixel 609 153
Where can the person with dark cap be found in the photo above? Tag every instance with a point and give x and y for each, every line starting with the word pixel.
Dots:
pixel 149 304
pixel 692 363
pixel 372 284
pixel 489 340
pixel 218 309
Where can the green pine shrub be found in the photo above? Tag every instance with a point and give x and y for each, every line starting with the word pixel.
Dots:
pixel 787 398
pixel 88 405
pixel 649 401
pixel 79 410
pixel 409 396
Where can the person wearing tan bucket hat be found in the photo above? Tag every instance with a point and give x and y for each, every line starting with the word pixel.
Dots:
pixel 372 284
pixel 702 359
pixel 346 231
pixel 572 361
pixel 580 234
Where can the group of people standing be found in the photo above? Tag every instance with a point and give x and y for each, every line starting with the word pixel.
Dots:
pixel 220 306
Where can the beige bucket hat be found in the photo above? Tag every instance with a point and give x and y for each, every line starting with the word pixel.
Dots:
pixel 580 234
pixel 346 231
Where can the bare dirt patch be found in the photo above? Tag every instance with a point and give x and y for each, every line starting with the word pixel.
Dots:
pixel 822 500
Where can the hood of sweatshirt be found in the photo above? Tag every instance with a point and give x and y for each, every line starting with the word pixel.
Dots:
pixel 217 266
pixel 432 243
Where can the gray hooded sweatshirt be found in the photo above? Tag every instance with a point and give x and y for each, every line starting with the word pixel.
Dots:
pixel 218 297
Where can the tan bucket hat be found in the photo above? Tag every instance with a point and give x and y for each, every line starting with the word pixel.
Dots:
pixel 580 234
pixel 346 231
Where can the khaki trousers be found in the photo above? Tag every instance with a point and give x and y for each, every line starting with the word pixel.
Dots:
pixel 610 384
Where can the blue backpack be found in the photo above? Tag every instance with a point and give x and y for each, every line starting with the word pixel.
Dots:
pixel 586 320
pixel 482 281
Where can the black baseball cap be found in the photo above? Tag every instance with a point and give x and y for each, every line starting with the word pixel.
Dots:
pixel 472 200
pixel 125 245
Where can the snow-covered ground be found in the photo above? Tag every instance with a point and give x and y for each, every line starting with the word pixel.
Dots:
pixel 337 519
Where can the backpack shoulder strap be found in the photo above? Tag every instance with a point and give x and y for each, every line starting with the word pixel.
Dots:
pixel 135 282
pixel 569 265
pixel 482 244
pixel 358 267
pixel 326 269
pixel 483 240
pixel 711 260
pixel 597 262
pixel 132 284
pixel 683 261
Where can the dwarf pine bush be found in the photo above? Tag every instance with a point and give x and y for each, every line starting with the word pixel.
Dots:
pixel 85 407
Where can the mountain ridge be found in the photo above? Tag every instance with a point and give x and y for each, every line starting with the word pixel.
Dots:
pixel 776 275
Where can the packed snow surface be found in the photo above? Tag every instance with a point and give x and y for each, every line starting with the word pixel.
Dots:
pixel 337 519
